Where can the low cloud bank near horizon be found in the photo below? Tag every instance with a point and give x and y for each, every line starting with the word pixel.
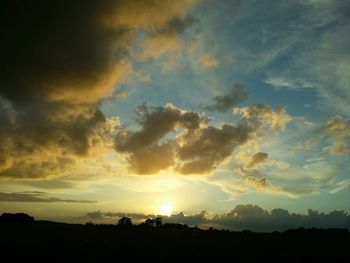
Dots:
pixel 242 217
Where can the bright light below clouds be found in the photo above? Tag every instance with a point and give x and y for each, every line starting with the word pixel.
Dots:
pixel 166 208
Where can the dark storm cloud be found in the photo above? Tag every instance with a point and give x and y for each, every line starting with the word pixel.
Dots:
pixel 59 59
pixel 237 94
pixel 37 197
pixel 243 217
pixel 51 50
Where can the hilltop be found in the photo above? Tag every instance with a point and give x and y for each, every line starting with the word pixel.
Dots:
pixel 45 241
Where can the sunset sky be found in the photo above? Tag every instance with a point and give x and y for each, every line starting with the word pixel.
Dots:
pixel 160 107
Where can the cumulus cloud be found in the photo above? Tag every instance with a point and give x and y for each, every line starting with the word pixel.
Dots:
pixel 35 144
pixel 202 151
pixel 243 217
pixel 148 154
pixel 237 94
pixel 183 140
pixel 59 61
pixel 37 197
pixel 256 218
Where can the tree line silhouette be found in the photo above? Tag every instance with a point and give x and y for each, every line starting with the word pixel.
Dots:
pixel 24 239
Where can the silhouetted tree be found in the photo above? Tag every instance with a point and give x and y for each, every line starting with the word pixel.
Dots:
pixel 150 222
pixel 125 221
pixel 158 222
pixel 89 224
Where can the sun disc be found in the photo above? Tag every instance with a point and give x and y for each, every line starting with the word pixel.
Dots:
pixel 166 209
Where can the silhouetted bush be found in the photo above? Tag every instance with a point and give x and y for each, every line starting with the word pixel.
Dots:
pixel 158 221
pixel 125 221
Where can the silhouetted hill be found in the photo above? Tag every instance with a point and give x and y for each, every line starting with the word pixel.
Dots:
pixel 16 218
pixel 45 241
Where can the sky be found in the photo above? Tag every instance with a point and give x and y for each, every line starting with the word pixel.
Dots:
pixel 214 112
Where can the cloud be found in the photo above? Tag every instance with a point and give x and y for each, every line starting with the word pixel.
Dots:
pixel 322 44
pixel 238 182
pixel 60 60
pixel 257 159
pixel 202 151
pixel 263 116
pixel 164 42
pixel 151 159
pixel 207 60
pixel 279 82
pixel 36 145
pixel 262 184
pixel 243 217
pixel 256 218
pixel 147 153
pixel 155 125
pixel 37 197
pixel 237 94
pixel 249 167
pixel 48 184
pixel 338 130
pixel 172 137
pixel 181 218
pixel 249 164
pixel 102 215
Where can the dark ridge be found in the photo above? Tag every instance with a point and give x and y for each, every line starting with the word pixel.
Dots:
pixel 47 241
pixel 16 218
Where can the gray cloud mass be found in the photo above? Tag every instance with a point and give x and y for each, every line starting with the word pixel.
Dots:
pixel 237 94
pixel 59 60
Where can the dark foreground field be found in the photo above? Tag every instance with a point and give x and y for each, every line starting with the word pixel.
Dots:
pixel 54 242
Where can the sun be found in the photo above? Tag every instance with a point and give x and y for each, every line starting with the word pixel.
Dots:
pixel 166 208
